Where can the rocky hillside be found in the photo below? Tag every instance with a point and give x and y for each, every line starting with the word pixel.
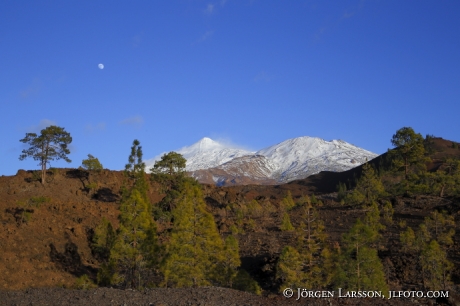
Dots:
pixel 45 231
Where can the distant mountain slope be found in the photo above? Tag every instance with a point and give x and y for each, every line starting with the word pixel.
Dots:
pixel 244 170
pixel 303 156
pixel 214 163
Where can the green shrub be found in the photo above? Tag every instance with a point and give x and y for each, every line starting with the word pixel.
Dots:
pixel 84 283
pixel 235 230
pixel 254 209
pixel 286 224
pixel 38 201
pixel 244 282
pixel 251 224
pixel 36 176
pixel 92 187
pixel 288 203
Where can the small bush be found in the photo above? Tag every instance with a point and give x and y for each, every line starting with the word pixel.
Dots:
pixel 244 282
pixel 341 191
pixel 286 224
pixel 36 176
pixel 26 215
pixel 38 201
pixel 288 203
pixel 54 171
pixel 92 187
pixel 254 209
pixel 251 224
pixel 84 283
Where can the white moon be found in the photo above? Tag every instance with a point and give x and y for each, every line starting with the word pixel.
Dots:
pixel 101 66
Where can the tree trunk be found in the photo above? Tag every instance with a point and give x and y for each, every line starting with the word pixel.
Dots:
pixel 43 173
pixel 358 272
pixel 405 167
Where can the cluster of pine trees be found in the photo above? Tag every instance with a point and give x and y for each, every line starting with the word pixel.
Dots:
pixel 189 253
pixel 410 156
pixel 355 264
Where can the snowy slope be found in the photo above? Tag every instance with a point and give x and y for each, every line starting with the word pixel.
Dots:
pixel 303 156
pixel 205 154
pixel 208 153
pixel 289 160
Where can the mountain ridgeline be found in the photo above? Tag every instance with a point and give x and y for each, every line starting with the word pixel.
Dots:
pixel 211 162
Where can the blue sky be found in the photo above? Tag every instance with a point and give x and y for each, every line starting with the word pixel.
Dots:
pixel 252 72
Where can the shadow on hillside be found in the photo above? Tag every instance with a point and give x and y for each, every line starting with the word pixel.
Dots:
pixel 70 260
pixel 19 214
pixel 105 194
pixel 82 175
pixel 262 268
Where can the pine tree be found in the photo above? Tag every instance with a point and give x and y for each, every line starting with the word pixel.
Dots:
pixel 435 266
pixel 341 191
pixel 316 255
pixel 409 150
pixel 430 242
pixel 310 263
pixel 311 236
pixel 169 173
pixel 135 237
pixel 135 172
pixel 369 184
pixel 254 209
pixel 361 268
pixel 441 226
pixel 289 269
pixel 372 218
pixel 286 224
pixel 52 144
pixel 422 237
pixel 288 203
pixel 407 239
pixel 428 144
pixel 92 163
pixel 369 187
pixel 135 245
pixel 194 251
pixel 103 240
pixel 367 271
pixel 230 261
pixel 388 212
pixel 444 181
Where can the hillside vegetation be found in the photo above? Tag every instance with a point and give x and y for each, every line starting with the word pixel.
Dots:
pixel 389 224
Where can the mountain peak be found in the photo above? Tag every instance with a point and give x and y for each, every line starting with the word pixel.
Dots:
pixel 203 145
pixel 206 141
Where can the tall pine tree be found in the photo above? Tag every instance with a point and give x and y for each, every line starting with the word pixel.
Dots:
pixel 135 244
pixel 409 150
pixel 309 264
pixel 361 268
pixel 369 187
pixel 195 250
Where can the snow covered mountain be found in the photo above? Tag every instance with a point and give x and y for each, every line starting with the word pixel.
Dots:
pixel 214 163
pixel 303 156
pixel 205 154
